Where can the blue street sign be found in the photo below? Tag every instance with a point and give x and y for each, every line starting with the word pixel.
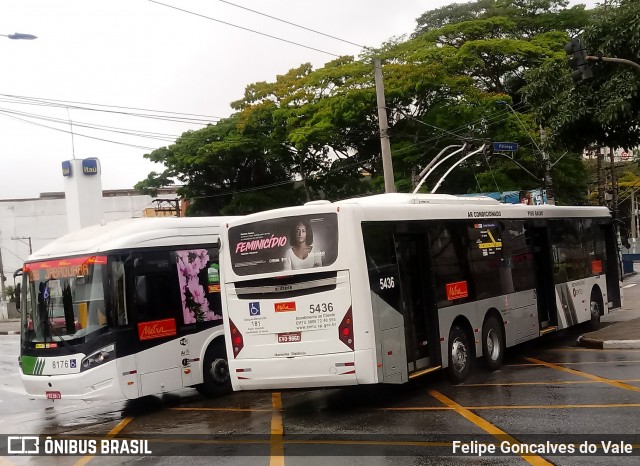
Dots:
pixel 505 146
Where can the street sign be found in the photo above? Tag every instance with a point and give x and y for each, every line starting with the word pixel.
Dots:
pixel 505 146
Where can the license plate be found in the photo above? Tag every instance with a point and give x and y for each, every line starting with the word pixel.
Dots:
pixel 289 337
pixel 53 395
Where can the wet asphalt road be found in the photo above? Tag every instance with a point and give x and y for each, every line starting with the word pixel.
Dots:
pixel 548 390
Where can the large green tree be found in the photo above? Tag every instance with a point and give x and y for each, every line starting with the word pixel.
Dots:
pixel 603 110
pixel 319 128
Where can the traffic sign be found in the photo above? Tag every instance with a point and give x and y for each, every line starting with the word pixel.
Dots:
pixel 505 146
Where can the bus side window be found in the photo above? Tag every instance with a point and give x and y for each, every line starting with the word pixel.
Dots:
pixel 118 288
pixel 155 293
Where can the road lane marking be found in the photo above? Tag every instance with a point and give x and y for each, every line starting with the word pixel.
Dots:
pixel 275 440
pixel 112 433
pixel 489 407
pixel 247 410
pixel 551 382
pixel 560 363
pixel 629 285
pixel 486 426
pixel 586 375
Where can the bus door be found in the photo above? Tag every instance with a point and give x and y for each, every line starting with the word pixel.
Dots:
pixel 538 237
pixel 418 303
pixel 612 265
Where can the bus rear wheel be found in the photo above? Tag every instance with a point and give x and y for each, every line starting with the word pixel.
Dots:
pixel 596 309
pixel 492 343
pixel 460 355
pixel 215 371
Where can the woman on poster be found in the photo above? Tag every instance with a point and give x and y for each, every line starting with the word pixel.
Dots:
pixel 302 254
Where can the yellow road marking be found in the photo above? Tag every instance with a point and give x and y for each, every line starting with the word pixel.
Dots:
pixel 277 447
pixel 247 410
pixel 552 382
pixel 112 433
pixel 486 426
pixel 560 363
pixel 614 383
pixel 489 407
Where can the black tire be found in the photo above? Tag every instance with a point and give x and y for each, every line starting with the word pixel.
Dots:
pixel 215 371
pixel 460 355
pixel 595 305
pixel 493 343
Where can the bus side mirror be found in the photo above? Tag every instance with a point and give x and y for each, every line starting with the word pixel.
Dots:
pixel 16 295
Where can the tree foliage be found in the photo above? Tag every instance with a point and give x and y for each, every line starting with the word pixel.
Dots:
pixel 313 133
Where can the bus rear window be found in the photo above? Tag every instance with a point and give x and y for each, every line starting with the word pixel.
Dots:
pixel 282 244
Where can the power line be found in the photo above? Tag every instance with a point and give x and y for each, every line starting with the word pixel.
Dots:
pixel 77 134
pixel 294 24
pixel 245 29
pixel 65 103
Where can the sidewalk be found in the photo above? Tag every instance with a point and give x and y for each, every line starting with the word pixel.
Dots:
pixel 10 327
pixel 623 334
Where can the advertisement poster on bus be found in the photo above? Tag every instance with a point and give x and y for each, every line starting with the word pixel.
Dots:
pixel 283 244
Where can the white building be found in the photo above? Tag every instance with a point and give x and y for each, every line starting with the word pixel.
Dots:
pixel 44 219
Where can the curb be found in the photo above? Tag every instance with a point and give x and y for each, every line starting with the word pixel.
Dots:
pixel 589 342
pixel 607 344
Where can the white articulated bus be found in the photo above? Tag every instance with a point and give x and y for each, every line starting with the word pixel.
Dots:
pixel 123 310
pixel 385 288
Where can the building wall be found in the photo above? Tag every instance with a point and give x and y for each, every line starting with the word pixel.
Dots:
pixel 45 219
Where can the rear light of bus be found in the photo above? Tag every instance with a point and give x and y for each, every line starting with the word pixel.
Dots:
pixel 345 329
pixel 237 342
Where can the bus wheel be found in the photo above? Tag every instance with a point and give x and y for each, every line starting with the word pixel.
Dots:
pixel 460 355
pixel 492 343
pixel 215 371
pixel 596 309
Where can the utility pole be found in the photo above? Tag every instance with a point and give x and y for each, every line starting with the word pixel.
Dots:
pixel 2 277
pixel 548 181
pixel 387 165
pixel 28 238
pixel 614 185
pixel 600 178
pixel 634 231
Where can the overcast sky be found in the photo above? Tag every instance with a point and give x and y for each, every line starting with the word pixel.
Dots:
pixel 135 55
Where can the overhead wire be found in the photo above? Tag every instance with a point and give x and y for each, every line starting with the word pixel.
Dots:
pixel 245 28
pixel 294 24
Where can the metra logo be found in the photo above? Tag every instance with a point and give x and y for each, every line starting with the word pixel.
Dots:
pixel 156 329
pixel 90 167
pixel 287 306
pixel 457 290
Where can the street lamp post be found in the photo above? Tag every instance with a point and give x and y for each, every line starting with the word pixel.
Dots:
pixel 19 36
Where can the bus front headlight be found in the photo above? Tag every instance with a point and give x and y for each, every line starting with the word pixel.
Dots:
pixel 101 356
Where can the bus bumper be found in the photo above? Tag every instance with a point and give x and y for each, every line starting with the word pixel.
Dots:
pixel 328 370
pixel 99 383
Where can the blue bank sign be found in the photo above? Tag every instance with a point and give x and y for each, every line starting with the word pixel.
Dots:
pixel 505 146
pixel 90 167
pixel 66 168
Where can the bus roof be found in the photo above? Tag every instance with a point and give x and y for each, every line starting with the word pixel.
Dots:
pixel 408 206
pixel 133 233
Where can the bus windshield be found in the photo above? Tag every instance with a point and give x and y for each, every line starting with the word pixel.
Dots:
pixel 64 299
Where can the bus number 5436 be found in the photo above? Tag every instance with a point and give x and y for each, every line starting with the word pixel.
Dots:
pixel 324 307
pixel 387 283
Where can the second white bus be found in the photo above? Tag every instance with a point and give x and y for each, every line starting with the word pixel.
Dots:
pixel 123 310
pixel 385 288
